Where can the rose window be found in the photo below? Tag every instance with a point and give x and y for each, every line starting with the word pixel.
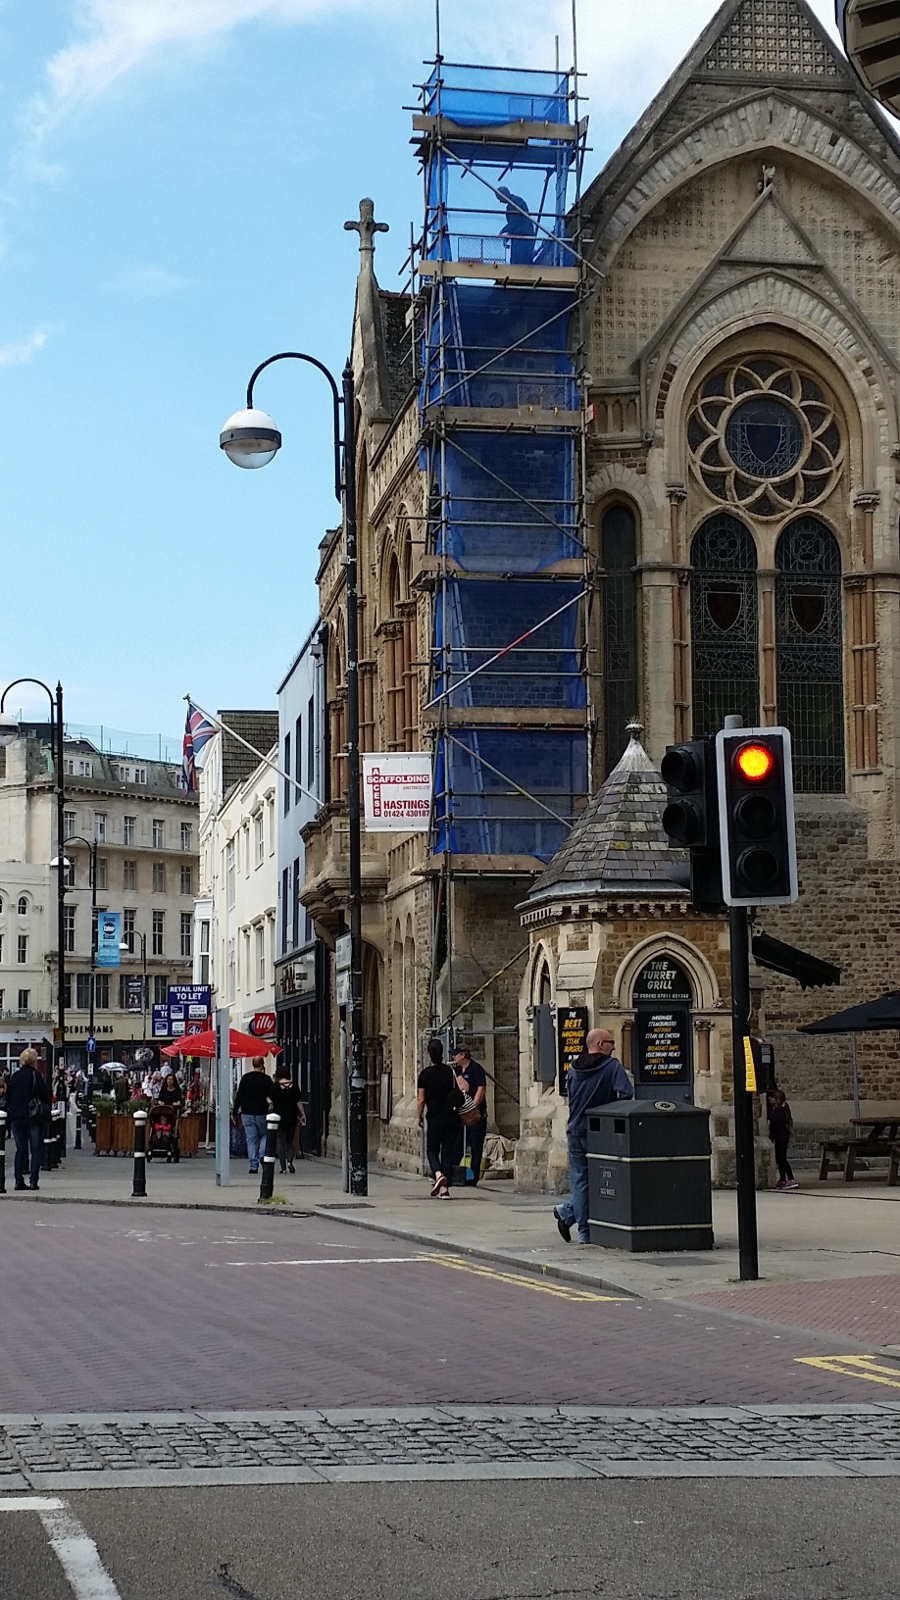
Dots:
pixel 764 436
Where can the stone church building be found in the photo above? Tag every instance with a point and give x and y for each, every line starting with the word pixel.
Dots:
pixel 741 308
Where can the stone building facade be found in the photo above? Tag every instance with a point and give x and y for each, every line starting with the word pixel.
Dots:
pixel 741 491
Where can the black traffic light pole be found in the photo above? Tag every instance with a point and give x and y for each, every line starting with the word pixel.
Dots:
pixel 744 1137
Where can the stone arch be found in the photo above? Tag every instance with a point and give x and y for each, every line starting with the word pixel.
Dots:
pixel 764 123
pixel 707 995
pixel 794 310
pixel 543 958
pixel 613 481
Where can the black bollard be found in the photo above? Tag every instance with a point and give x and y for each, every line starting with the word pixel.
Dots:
pixel 77 1126
pixel 139 1184
pixel 48 1151
pixel 2 1152
pixel 267 1181
pixel 60 1117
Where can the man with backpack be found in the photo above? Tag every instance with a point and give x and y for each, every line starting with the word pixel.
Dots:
pixel 27 1103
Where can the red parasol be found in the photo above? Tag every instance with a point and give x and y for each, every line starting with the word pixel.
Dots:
pixel 204 1044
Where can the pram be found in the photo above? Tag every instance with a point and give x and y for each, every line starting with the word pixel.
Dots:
pixel 163 1138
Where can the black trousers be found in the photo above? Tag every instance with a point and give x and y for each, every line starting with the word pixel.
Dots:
pixel 781 1160
pixel 284 1144
pixel 443 1144
pixel 475 1138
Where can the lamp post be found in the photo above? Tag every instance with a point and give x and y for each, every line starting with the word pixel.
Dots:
pixel 56 722
pixel 251 439
pixel 128 945
pixel 78 838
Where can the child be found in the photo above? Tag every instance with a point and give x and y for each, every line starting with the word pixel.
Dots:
pixel 781 1126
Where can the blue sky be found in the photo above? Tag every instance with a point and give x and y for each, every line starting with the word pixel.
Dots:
pixel 174 179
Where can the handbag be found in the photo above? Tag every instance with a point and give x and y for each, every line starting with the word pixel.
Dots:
pixel 469 1112
pixel 35 1107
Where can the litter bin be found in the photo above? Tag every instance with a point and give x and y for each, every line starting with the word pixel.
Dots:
pixel 649 1176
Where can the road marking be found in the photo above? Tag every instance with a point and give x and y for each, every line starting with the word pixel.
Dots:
pixel 74 1549
pixel 333 1261
pixel 560 1291
pixel 855 1367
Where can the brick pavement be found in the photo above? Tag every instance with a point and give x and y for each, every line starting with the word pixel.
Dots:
pixel 111 1311
pixel 866 1310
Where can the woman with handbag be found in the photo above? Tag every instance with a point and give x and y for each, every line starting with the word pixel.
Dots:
pixel 472 1080
pixel 27 1103
pixel 438 1099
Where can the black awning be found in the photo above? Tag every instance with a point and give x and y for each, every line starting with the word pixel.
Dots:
pixel 809 971
pixel 875 1016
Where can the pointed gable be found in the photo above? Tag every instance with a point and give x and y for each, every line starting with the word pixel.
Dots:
pixel 771 237
pixel 617 846
pixel 772 39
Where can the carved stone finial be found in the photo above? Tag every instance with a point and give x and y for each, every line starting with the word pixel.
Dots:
pixel 634 730
pixel 766 178
pixel 367 228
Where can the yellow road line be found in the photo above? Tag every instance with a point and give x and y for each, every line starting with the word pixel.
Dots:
pixel 855 1367
pixel 560 1291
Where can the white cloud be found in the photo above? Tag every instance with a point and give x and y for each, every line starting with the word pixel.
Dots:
pixel 19 352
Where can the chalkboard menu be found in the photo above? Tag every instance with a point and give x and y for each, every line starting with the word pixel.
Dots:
pixel 572 1027
pixel 662 999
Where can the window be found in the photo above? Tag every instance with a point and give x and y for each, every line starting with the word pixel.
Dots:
pixel 187 880
pixel 204 952
pixel 22 907
pixel 620 644
pixel 101 991
pixel 69 873
pixel 296 928
pixel 160 990
pixel 259 838
pixel 260 958
pixel 159 927
pixel 159 877
pixel 270 825
pixel 70 823
pixel 287 770
pixel 245 833
pixel 231 970
pixel 128 930
pixel 82 991
pixel 102 871
pixel 69 930
pixel 187 944
pixel 285 908
pixel 129 874
pixel 100 826
pixel 298 756
pixel 128 830
pixel 187 834
pixel 311 746
pixel 809 651
pixel 159 834
pixel 77 767
pixel 1 947
pixel 140 774
pixel 229 873
pixel 24 1001
pixel 724 643
pixel 248 973
pixel 22 950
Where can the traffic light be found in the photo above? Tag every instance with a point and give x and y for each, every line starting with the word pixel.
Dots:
pixel 691 818
pixel 756 813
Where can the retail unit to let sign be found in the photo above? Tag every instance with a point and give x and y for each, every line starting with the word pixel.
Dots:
pixel 109 925
pixel 397 789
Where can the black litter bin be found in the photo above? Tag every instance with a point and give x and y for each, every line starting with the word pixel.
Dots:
pixel 649 1177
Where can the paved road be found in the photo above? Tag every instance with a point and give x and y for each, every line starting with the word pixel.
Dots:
pixel 544 1541
pixel 108 1313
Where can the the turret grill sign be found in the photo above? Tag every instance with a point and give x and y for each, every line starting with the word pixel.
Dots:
pixel 397 790
pixel 662 999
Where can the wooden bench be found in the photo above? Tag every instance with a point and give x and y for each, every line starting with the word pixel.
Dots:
pixel 842 1155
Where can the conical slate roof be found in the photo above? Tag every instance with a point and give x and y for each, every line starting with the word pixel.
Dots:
pixel 617 846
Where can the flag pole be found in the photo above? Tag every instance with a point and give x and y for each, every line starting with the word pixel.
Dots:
pixel 279 771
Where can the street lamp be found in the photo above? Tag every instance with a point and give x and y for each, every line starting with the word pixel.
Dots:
pixel 62 862
pixel 127 944
pixel 56 722
pixel 250 439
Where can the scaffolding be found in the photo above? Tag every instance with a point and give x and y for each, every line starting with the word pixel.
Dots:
pixel 499 287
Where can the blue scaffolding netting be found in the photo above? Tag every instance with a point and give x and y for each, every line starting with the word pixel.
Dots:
pixel 501 431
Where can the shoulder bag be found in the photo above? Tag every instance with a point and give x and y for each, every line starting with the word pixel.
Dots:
pixel 35 1108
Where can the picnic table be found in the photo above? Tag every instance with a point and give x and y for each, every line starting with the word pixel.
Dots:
pixel 877 1136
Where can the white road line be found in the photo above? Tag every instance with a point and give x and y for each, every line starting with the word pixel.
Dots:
pixel 319 1261
pixel 74 1549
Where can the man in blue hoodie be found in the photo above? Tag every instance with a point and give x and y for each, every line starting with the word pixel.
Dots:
pixel 596 1078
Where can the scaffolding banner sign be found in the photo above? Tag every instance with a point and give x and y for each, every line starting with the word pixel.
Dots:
pixel 397 792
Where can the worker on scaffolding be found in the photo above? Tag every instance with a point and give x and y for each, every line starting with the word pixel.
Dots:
pixel 520 230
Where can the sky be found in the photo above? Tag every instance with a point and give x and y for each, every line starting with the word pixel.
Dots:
pixel 174 180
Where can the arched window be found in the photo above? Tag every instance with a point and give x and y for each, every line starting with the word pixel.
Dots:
pixel 724 644
pixel 809 653
pixel 337 716
pixel 398 631
pixel 23 906
pixel 618 544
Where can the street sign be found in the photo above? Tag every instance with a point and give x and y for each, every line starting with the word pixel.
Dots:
pixel 191 994
pixel 159 1023
pixel 91 1045
pixel 342 953
pixel 397 791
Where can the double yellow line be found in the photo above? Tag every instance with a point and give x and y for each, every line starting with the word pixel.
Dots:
pixel 559 1291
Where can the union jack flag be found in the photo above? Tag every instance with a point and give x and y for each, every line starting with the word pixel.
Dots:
pixel 198 730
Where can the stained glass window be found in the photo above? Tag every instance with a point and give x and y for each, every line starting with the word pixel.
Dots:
pixel 620 674
pixel 724 641
pixel 809 653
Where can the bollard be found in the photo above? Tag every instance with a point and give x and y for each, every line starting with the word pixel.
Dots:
pixel 267 1181
pixel 48 1161
pixel 2 1152
pixel 59 1112
pixel 77 1126
pixel 139 1184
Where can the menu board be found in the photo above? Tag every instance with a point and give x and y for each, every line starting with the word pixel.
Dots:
pixel 662 998
pixel 572 1028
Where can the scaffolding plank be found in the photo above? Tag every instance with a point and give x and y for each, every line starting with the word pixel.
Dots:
pixel 507 716
pixel 499 133
pixel 519 417
pixel 501 272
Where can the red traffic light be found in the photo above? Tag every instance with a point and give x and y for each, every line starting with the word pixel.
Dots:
pixel 754 762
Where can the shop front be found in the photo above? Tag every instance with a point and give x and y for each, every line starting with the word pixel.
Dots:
pixel 301 1019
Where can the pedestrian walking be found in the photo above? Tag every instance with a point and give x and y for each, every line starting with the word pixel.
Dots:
pixel 472 1080
pixel 781 1128
pixel 286 1101
pixel 596 1078
pixel 27 1104
pixel 251 1103
pixel 438 1099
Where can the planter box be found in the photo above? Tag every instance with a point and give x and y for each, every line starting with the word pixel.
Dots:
pixel 114 1135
